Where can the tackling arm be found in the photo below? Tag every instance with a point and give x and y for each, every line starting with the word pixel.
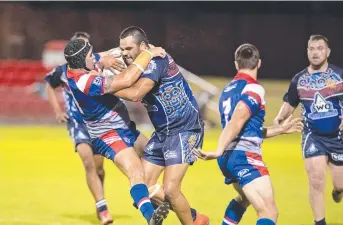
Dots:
pixel 137 91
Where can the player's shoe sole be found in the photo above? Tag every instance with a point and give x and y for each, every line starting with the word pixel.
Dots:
pixel 337 196
pixel 160 214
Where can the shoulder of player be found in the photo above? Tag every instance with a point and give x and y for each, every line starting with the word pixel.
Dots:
pixel 296 77
pixel 336 69
pixel 254 87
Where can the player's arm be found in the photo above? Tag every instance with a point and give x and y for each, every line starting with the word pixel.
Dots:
pixel 239 117
pixel 53 81
pixel 137 91
pixel 131 74
pixel 291 101
pixel 287 127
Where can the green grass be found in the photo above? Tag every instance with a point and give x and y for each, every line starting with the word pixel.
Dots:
pixel 42 179
pixel 42 182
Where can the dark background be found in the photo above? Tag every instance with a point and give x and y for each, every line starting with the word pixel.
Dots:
pixel 201 36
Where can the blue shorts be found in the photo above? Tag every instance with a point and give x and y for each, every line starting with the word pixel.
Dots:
pixel 315 145
pixel 114 141
pixel 241 167
pixel 167 150
pixel 78 132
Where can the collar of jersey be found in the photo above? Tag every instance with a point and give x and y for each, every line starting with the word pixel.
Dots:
pixel 244 76
pixel 73 74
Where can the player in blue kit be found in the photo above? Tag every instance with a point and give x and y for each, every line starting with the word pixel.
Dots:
pixel 174 114
pixel 93 163
pixel 319 91
pixel 242 111
pixel 106 117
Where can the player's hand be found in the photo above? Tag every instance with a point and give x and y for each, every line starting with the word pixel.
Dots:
pixel 157 52
pixel 292 125
pixel 109 61
pixel 277 121
pixel 205 155
pixel 62 117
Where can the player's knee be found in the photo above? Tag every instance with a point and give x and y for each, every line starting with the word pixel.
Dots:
pixel 317 182
pixel 100 171
pixel 171 191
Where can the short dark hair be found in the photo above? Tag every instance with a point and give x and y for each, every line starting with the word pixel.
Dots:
pixel 136 32
pixel 317 37
pixel 247 56
pixel 79 34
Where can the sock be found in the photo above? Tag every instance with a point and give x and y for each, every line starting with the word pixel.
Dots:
pixel 320 222
pixel 233 214
pixel 265 221
pixel 194 214
pixel 101 205
pixel 140 195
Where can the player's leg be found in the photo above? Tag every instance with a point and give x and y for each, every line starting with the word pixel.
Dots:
pixel 316 162
pixel 173 176
pixel 99 165
pixel 234 166
pixel 250 172
pixel 94 182
pixel 80 136
pixel 236 208
pixel 178 155
pixel 336 169
pixel 153 164
pixel 260 194
pixel 337 179
pixel 316 173
pixel 117 146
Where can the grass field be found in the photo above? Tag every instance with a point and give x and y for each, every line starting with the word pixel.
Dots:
pixel 42 180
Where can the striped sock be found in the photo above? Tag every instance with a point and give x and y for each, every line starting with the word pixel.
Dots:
pixel 140 195
pixel 101 205
pixel 233 214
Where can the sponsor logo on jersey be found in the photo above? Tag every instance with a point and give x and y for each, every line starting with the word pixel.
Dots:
pixel 321 108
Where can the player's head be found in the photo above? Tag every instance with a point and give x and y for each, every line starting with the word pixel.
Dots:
pixel 132 41
pixel 79 54
pixel 81 35
pixel 318 50
pixel 247 57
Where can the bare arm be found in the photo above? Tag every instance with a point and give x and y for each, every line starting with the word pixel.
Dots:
pixel 137 91
pixel 52 98
pixel 131 74
pixel 286 111
pixel 287 127
pixel 240 116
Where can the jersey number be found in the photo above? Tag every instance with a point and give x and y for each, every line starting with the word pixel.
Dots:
pixel 227 108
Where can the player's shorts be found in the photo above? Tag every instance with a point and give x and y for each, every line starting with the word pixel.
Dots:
pixel 241 167
pixel 114 141
pixel 316 145
pixel 78 132
pixel 167 150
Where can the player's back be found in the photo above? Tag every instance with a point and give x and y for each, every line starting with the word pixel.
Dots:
pixel 101 112
pixel 170 104
pixel 244 88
